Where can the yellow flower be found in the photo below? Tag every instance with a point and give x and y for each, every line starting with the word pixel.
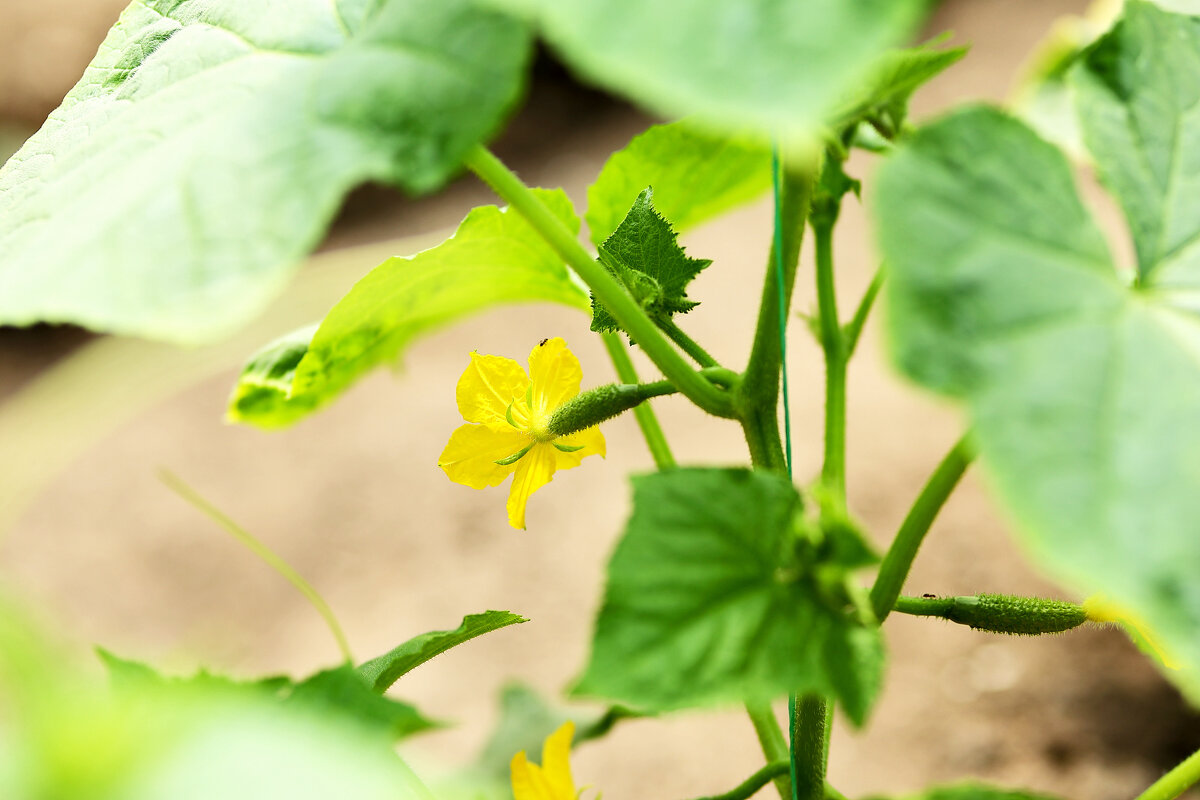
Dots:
pixel 552 780
pixel 510 411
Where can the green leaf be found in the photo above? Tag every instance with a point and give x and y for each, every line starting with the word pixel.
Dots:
pixel 1139 105
pixel 381 672
pixel 737 615
pixel 494 257
pixel 338 692
pixel 883 95
pixel 261 394
pixel 696 174
pixel 644 255
pixel 210 143
pixel 773 66
pixel 974 791
pixel 343 690
pixel 1083 391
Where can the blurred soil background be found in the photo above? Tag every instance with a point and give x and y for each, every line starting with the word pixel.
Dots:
pixel 354 500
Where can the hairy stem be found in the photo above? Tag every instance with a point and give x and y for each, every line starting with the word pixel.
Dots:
pixel 810 747
pixel 688 344
pixel 771 739
pixel 606 288
pixel 652 432
pixel 898 561
pixel 1175 782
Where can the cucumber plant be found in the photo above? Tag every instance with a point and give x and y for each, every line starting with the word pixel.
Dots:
pixel 210 142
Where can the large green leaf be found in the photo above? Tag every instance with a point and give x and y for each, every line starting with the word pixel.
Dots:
pixel 1139 105
pixel 696 174
pixel 1084 391
pixel 777 66
pixel 210 142
pixel 494 257
pixel 381 672
pixel 710 600
pixel 974 791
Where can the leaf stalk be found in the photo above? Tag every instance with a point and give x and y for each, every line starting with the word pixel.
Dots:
pixel 606 288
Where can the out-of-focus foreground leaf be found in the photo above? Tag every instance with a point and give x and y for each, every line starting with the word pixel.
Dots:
pixel 209 144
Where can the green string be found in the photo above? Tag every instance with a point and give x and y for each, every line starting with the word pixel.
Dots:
pixel 787 413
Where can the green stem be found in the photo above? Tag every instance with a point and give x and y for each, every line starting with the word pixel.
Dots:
pixel 608 291
pixel 758 399
pixel 810 746
pixel 854 328
pixel 752 784
pixel 652 432
pixel 773 743
pixel 896 564
pixel 590 408
pixel 688 344
pixel 1175 782
pixel 265 553
pixel 833 471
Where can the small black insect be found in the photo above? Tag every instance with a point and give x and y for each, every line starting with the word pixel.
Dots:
pixel 929 596
pixel 542 342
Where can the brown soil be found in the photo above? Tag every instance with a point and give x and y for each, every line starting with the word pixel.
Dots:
pixel 353 499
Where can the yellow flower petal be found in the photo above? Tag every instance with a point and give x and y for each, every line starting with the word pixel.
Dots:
pixel 556 375
pixel 471 454
pixel 488 386
pixel 534 471
pixel 528 782
pixel 592 441
pixel 556 761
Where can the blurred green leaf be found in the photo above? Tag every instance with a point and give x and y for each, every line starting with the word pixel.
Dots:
pixel 774 66
pixel 738 615
pixel 883 95
pixel 695 174
pixel 343 690
pixel 340 691
pixel 1083 391
pixel 383 671
pixel 210 143
pixel 494 257
pixel 1139 105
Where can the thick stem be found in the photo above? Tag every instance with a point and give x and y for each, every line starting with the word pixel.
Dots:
pixel 688 344
pixel 652 432
pixel 607 290
pixel 760 388
pixel 1175 782
pixel 899 558
pixel 758 399
pixel 833 470
pixel 771 739
pixel 810 748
